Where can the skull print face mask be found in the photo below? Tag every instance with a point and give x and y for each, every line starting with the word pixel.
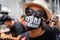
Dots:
pixel 32 21
pixel 33 18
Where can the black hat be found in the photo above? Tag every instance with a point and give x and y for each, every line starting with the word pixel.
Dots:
pixel 4 13
pixel 1 22
pixel 6 18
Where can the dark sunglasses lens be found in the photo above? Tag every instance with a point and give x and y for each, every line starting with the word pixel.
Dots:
pixel 29 12
pixel 38 14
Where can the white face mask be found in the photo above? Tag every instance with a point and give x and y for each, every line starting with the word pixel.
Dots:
pixel 32 21
pixel 3 26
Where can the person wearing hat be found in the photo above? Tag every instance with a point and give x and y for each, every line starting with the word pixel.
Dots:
pixel 5 11
pixel 36 15
pixel 16 28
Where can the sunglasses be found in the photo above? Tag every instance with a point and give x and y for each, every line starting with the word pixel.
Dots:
pixel 29 12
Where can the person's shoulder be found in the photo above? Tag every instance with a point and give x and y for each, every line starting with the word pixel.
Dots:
pixel 50 33
pixel 47 31
pixel 18 24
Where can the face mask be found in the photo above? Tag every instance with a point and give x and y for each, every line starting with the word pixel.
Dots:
pixel 3 26
pixel 32 21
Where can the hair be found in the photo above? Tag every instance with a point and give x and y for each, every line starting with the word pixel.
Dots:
pixel 6 18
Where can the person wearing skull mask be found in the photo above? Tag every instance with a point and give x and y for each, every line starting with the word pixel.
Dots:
pixel 36 17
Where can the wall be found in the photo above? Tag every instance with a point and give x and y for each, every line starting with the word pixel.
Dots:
pixel 14 5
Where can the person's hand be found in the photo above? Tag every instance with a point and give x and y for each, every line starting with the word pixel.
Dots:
pixel 22 20
pixel 51 24
pixel 57 21
pixel 3 36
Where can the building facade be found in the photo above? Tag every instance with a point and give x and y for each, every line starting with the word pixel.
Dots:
pixel 16 6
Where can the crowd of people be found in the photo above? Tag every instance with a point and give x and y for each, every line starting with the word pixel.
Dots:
pixel 36 24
